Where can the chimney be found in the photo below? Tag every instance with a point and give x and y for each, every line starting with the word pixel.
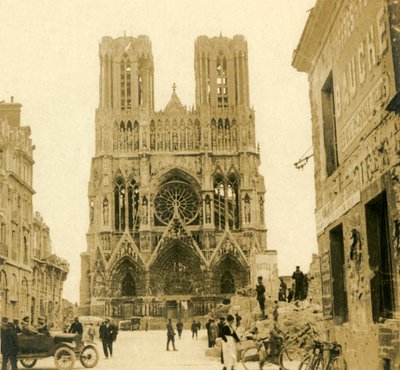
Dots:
pixel 11 112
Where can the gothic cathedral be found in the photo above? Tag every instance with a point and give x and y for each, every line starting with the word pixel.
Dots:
pixel 175 197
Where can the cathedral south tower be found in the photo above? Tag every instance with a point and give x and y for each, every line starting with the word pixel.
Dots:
pixel 175 196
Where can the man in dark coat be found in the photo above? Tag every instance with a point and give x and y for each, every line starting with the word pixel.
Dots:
pixel 9 345
pixel 179 327
pixel 170 335
pixel 221 324
pixel 195 329
pixel 260 289
pixel 208 323
pixel 298 278
pixel 108 334
pixel 76 327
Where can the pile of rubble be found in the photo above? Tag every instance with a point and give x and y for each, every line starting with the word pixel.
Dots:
pixel 292 317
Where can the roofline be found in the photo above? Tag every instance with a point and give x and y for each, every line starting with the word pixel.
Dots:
pixel 314 33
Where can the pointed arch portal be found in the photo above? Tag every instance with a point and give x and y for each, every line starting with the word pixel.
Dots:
pixel 176 270
pixel 127 278
pixel 229 275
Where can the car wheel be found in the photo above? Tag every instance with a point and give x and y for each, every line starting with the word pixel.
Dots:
pixel 89 356
pixel 64 358
pixel 28 363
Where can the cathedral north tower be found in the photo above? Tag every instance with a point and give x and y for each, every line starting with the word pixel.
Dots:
pixel 175 196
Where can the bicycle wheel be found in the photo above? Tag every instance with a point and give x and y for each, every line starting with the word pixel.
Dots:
pixel 311 362
pixel 250 359
pixel 305 364
pixel 338 363
pixel 290 357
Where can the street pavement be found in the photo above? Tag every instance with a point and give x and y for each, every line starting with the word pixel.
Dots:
pixel 147 350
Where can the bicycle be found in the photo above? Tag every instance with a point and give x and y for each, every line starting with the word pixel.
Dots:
pixel 254 358
pixel 316 360
pixel 294 348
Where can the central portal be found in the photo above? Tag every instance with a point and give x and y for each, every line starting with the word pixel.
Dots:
pixel 176 270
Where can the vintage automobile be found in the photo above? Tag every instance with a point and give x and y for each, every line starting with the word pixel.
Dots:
pixel 65 348
pixel 136 323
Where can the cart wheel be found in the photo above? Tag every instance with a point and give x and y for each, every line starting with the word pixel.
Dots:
pixel 89 356
pixel 64 358
pixel 28 363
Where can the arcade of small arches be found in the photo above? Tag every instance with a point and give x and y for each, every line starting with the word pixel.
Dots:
pixel 180 135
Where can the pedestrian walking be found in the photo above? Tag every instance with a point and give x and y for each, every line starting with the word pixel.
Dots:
pixel 76 327
pixel 194 329
pixel 208 331
pixel 91 332
pixel 198 325
pixel 282 291
pixel 179 328
pixel 108 334
pixel 260 289
pixel 170 335
pixel 221 325
pixel 9 345
pixel 298 278
pixel 213 333
pixel 229 340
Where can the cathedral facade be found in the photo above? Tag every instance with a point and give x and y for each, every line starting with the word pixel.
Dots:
pixel 175 196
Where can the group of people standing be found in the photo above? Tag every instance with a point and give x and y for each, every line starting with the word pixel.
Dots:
pixel 107 332
pixel 299 289
pixel 195 327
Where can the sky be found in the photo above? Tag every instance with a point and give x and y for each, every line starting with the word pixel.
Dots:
pixel 49 63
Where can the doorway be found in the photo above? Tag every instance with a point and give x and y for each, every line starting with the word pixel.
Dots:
pixel 128 287
pixel 380 257
pixel 340 307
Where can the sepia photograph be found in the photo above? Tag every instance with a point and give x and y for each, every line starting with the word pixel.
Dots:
pixel 206 185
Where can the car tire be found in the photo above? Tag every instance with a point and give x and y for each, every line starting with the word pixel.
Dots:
pixel 89 357
pixel 64 358
pixel 28 363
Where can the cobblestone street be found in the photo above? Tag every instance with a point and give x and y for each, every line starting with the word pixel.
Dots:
pixel 146 350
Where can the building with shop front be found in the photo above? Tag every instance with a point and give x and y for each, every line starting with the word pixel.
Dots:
pixel 175 196
pixel 31 276
pixel 350 52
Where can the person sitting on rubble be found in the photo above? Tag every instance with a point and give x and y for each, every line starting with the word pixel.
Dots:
pixel 41 327
pixel 275 341
pixel 27 328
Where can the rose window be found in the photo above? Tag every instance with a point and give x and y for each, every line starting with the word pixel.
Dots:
pixel 177 198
